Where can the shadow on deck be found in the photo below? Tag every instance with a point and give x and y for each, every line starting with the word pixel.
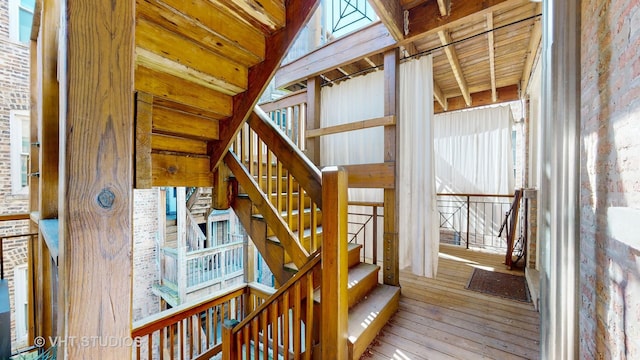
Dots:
pixel 440 319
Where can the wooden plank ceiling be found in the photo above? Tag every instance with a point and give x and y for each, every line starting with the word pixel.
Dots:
pixel 483 50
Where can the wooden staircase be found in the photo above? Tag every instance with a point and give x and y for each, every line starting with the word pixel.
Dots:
pixel 285 224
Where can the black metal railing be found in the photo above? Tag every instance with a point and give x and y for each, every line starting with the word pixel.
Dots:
pixel 473 220
pixel 363 229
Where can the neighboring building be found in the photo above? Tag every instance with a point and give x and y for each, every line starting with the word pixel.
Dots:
pixel 15 31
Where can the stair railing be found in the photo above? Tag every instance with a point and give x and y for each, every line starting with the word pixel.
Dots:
pixel 193 331
pixel 266 154
pixel 195 236
pixel 285 323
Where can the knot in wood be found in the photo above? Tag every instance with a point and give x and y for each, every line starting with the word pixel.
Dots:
pixel 172 169
pixel 106 198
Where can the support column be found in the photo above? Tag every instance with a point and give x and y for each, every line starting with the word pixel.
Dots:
pixel 96 178
pixel 559 210
pixel 312 147
pixel 391 243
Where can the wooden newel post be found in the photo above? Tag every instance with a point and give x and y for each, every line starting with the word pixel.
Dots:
pixel 228 347
pixel 333 338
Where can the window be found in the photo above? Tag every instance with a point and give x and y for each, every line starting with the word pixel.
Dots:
pixel 22 310
pixel 20 141
pixel 20 19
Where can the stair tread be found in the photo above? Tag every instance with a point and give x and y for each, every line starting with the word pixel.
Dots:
pixel 360 316
pixel 359 272
pixel 307 233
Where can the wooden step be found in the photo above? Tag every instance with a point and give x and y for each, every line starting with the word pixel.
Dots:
pixel 362 279
pixel 369 316
pixel 354 258
pixel 305 240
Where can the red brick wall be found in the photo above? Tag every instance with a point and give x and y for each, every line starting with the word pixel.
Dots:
pixel 610 180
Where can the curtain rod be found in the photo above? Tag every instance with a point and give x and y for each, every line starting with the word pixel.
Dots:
pixel 427 52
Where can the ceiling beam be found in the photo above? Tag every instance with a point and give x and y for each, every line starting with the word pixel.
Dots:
pixel 444 6
pixel 371 63
pixel 425 19
pixel 391 14
pixel 298 13
pixel 534 44
pixel 482 98
pixel 450 51
pixel 492 56
pixel 371 40
pixel 439 96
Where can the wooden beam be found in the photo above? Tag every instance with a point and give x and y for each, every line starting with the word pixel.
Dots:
pixel 368 41
pixel 312 146
pixel 298 13
pixel 335 269
pixel 356 125
pixel 450 51
pixel 444 6
pixel 492 56
pixel 161 143
pixel 368 61
pixel 425 18
pixel 268 15
pixel 439 95
pixel 13 217
pixel 144 115
pixel 482 98
pixel 292 99
pixel 97 177
pixel 391 272
pixel 534 45
pixel 391 14
pixel 373 176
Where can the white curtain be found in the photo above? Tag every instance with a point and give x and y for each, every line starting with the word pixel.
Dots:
pixel 473 151
pixel 418 216
pixel 362 98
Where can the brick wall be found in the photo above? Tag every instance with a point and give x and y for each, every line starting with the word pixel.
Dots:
pixel 14 95
pixel 610 180
pixel 145 268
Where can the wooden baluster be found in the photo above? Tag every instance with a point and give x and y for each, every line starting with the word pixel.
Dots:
pixel 302 120
pixel 293 128
pixel 247 342
pixel 278 181
pixel 265 334
pixel 285 325
pixel 301 215
pixel 171 342
pixel 296 320
pixel 309 323
pixel 181 338
pixel 314 227
pixel 137 351
pixel 252 150
pixel 275 329
pixel 162 345
pixel 269 176
pixel 255 324
pixel 260 169
pixel 208 329
pixel 289 200
pixel 150 346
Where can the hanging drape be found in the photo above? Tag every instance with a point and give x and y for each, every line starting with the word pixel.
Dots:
pixel 473 151
pixel 362 98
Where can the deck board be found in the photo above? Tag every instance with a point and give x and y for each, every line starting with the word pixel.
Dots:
pixel 440 319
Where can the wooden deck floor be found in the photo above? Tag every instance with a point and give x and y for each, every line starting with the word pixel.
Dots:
pixel 440 319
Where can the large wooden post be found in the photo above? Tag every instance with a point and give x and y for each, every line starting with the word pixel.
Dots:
pixel 312 146
pixel 96 178
pixel 390 241
pixel 335 269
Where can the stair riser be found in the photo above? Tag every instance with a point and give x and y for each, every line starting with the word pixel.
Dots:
pixel 362 288
pixel 360 346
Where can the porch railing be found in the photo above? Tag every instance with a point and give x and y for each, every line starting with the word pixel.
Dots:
pixel 363 228
pixel 194 331
pixel 195 236
pixel 169 263
pixel 473 220
pixel 208 266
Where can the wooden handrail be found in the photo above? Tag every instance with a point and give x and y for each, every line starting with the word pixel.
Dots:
pixel 476 195
pixel 13 217
pixel 302 169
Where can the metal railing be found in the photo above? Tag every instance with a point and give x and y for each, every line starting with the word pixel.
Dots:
pixel 363 228
pixel 473 220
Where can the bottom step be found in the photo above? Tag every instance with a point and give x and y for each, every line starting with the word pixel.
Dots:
pixel 368 317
